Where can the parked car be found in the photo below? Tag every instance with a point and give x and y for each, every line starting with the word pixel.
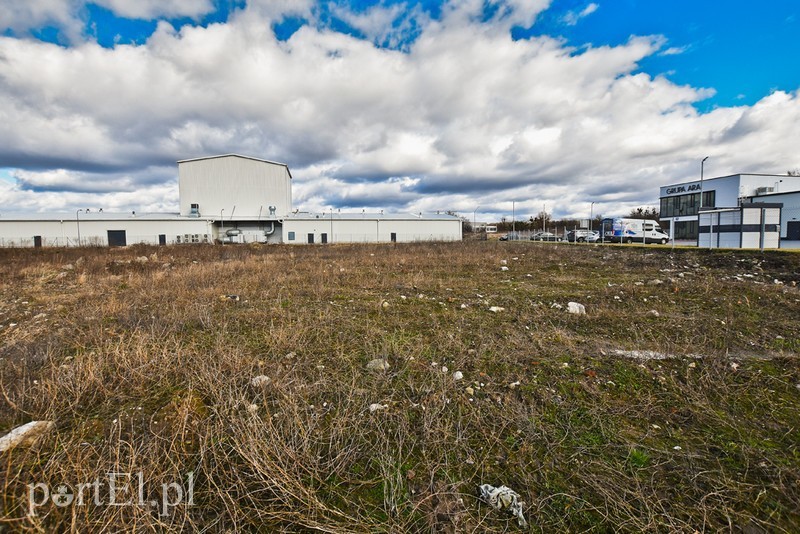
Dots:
pixel 504 237
pixel 581 235
pixel 594 237
pixel 545 236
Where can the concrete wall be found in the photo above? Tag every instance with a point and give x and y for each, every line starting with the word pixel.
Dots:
pixel 224 182
pixel 371 230
pixel 64 232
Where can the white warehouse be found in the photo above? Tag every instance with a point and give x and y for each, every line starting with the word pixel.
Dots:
pixel 224 199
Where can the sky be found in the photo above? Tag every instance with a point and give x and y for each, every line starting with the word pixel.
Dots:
pixel 415 105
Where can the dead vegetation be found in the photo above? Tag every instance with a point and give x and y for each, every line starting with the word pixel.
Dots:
pixel 144 359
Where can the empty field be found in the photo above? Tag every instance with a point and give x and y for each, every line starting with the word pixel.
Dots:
pixel 672 404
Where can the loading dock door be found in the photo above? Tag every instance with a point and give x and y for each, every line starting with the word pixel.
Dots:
pixel 793 230
pixel 116 238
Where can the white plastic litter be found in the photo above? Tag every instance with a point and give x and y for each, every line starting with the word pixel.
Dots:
pixel 504 499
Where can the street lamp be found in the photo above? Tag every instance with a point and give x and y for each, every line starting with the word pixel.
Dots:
pixel 473 217
pixel 513 221
pixel 78 224
pixel 591 215
pixel 702 164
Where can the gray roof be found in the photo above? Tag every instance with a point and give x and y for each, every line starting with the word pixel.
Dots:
pixel 355 216
pixel 90 216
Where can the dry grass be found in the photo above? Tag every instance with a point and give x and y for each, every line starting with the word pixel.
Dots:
pixel 144 368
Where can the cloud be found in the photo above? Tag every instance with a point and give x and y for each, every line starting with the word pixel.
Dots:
pixel 462 115
pixel 573 17
pixel 674 51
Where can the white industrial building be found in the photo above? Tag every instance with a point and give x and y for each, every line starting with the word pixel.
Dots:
pixel 225 199
pixel 681 205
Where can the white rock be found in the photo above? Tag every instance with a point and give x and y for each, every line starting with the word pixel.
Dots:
pixel 496 309
pixel 576 308
pixel 464 306
pixel 378 364
pixel 260 380
pixel 445 369
pixel 385 304
pixel 503 268
pixel 458 375
pixel 26 434
pixel 654 313
pixel 374 407
pixel 557 306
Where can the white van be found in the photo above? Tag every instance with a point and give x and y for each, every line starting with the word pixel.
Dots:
pixel 619 230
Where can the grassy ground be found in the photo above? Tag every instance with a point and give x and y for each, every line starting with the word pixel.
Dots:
pixel 146 366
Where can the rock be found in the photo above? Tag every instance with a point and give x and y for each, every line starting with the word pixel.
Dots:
pixel 576 308
pixel 503 262
pixel 378 364
pixel 384 304
pixel 374 407
pixel 496 309
pixel 470 391
pixel 503 268
pixel 458 375
pixel 655 282
pixel 25 435
pixel 260 380
pixel 557 306
pixel 654 313
pixel 445 369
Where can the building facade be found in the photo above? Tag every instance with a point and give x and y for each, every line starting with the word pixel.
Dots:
pixel 680 203
pixel 224 199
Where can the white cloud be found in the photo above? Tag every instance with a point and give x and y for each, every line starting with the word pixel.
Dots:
pixel 465 116
pixel 573 17
pixel 152 9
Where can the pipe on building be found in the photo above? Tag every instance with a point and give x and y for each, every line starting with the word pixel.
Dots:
pixel 271 230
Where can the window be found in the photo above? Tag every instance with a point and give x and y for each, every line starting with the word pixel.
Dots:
pixel 709 199
pixel 291 236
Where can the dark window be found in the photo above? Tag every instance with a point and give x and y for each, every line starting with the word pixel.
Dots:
pixel 709 199
pixel 393 236
pixel 162 239
pixel 116 238
pixel 310 239
pixel 291 236
pixel 323 238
